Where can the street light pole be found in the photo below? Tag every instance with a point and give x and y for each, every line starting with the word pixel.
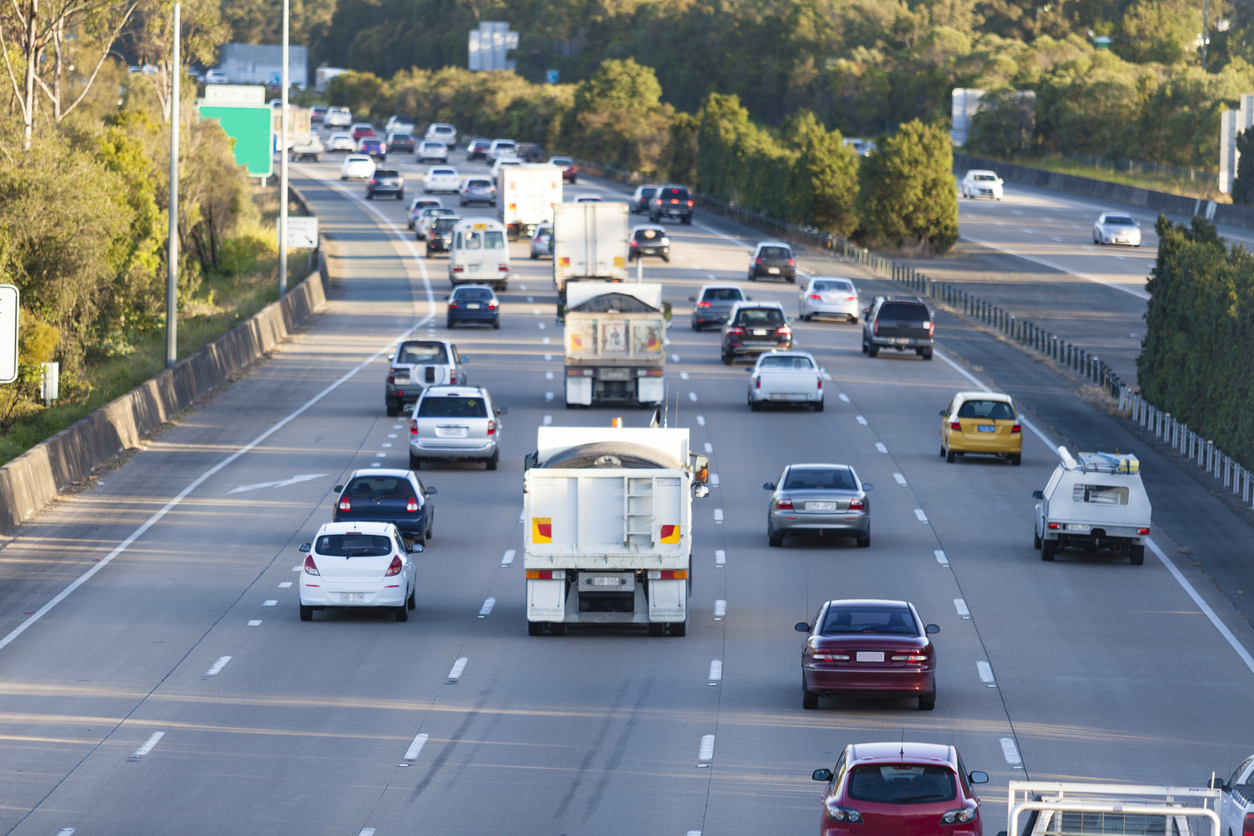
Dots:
pixel 283 80
pixel 172 254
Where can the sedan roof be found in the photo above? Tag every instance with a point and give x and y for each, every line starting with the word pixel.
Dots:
pixel 939 753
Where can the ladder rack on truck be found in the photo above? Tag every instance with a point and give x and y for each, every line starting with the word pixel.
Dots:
pixel 1051 808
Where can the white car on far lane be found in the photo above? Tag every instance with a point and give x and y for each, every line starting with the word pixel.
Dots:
pixel 500 163
pixel 358 564
pixel 441 179
pixel 786 377
pixel 431 150
pixel 1116 228
pixel 418 204
pixel 341 142
pixel 981 183
pixel 356 167
pixel 829 296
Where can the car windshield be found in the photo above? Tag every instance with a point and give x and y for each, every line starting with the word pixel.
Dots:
pixel 820 478
pixel 440 406
pixel 379 487
pixel 423 353
pixel 769 362
pixel 902 783
pixel 992 410
pixel 1119 220
pixel 354 545
pixel 723 294
pixel 775 252
pixel 847 287
pixel 760 316
pixel 886 621
pixel 903 312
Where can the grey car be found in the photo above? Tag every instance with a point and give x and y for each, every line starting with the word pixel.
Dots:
pixel 712 305
pixel 455 422
pixel 419 364
pixel 814 498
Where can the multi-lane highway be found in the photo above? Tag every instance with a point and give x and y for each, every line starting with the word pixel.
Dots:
pixel 176 688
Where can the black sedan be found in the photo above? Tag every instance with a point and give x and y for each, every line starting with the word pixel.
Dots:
pixel 440 234
pixel 649 240
pixel 400 143
pixel 391 496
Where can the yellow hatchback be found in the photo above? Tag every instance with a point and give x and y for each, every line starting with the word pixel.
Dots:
pixel 981 423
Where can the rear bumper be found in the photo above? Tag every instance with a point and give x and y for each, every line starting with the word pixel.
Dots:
pixel 849 310
pixel 709 319
pixel 475 316
pixel 784 397
pixel 855 522
pixel 869 682
pixel 901 342
pixel 765 272
pixel 433 449
pixel 962 443
pixel 407 524
pixel 757 348
pixel 373 595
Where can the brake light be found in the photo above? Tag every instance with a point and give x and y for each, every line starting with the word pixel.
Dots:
pixel 783 331
pixel 413 427
pixel 820 382
pixel 452 306
pixel 931 328
pixel 784 504
pixel 757 383
pixel 345 505
pixel 395 568
pixel 955 425
pixel 452 378
pixel 875 329
pixel 411 507
pixel 758 259
pixel 816 297
pixel 690 203
pixel 792 262
pixel 851 298
pixel 1053 526
pixel 634 244
pixel 491 427
pixel 546 574
pixel 1014 428
pixel 674 200
pixel 1248 827
pixel 492 304
pixel 703 304
pixel 857 505
pixel 391 377
pixel 735 329
pixel 1142 531
pixel 372 181
pixel 459 269
pixel 668 574
pixel 504 268
pixel 311 568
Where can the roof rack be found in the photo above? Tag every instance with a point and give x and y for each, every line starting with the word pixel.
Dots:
pixel 1109 463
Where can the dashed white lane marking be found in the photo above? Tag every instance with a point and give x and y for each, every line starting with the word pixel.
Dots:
pixel 720 557
pixel 716 671
pixel 548 375
pixel 714 231
pixel 541 324
pixel 486 609
pixel 712 276
pixel 700 420
pixel 860 420
pixel 709 448
pixel 68 831
pixel 986 671
pixel 285 585
pixel 391 435
pixel 535 311
pixel 706 752
pixel 147 747
pixel 397 427
pixel 366 831
pixel 270 603
pixel 843 396
pixel 720 609
pixel 416 747
pixel 548 396
pixel 941 558
pixel 960 605
pixel 1028 231
pixel 696 267
pixel 376 464
pixel 899 479
pixel 546 340
pixel 256 622
pixel 718 515
pixel 298 566
pixel 918 512
pixel 508 558
pixel 714 480
pixel 458 667
pixel 692 396
pixel 674 358
pixel 548 420
pixel 879 445
pixel 1010 751
pixel 531 299
pixel 690 832
pixel 547 357
pixel 1056 238
pixel 386 444
pixel 683 375
pixel 380 455
pixel 218 666
pixel 522 287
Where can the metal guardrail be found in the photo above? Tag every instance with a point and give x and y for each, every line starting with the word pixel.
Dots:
pixel 1138 167
pixel 1087 366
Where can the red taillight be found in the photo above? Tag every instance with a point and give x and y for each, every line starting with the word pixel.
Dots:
pixel 784 505
pixel 931 328
pixel 703 304
pixel 690 203
pixel 783 331
pixel 345 505
pixel 668 574
pixel 910 656
pixel 875 329
pixel 735 329
pixel 820 382
pixel 395 568
pixel 504 268
pixel 492 304
pixel 452 306
pixel 391 378
pixel 857 505
pixel 372 181
pixel 955 425
pixel 459 269
pixel 1142 531
pixel 411 507
pixel 634 244
pixel 413 427
pixel 851 298
pixel 1247 829
pixel 816 297
pixel 452 378
pixel 546 574
pixel 792 262
pixel 1053 526
pixel 491 427
pixel 758 259
pixel 674 200
pixel 1014 428
pixel 757 383
pixel 311 568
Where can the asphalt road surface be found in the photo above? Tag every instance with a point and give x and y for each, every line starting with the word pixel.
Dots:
pixel 176 690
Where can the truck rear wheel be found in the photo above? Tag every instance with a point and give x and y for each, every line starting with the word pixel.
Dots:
pixel 1138 555
pixel 557 628
pixel 679 628
pixel 1048 547
pixel 535 628
pixel 657 629
pixel 873 350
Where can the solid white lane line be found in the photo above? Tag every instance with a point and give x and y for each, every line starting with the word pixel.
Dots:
pixel 218 666
pixel 922 517
pixel 147 747
pixel 720 609
pixel 508 558
pixel 720 557
pixel 986 671
pixel 1140 294
pixel 960 605
pixel 843 396
pixel 692 396
pixel 256 622
pixel 458 667
pixel 414 748
pixel 898 478
pixel 716 671
pixel 721 235
pixel 285 585
pixel 706 752
pixel 718 515
pixel 486 609
pixel 548 420
pixel 700 420
pixel 270 603
pixel 860 420
pixel 941 558
pixel 709 448
pixel 880 446
pixel 1011 751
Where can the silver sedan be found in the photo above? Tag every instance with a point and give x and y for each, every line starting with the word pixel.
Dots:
pixel 817 498
pixel 1116 228
pixel 829 296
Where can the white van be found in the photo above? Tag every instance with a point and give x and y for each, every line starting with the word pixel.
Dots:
pixel 480 254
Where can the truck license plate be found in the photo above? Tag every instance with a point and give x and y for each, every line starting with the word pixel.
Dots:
pixel 759 333
pixel 1080 527
pixel 870 656
pixel 352 597
pixel 985 428
pixel 899 340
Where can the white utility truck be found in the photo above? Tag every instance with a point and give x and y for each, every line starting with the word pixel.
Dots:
pixel 615 344
pixel 589 242
pixel 527 195
pixel 1095 502
pixel 608 532
pixel 1236 807
pixel 1050 808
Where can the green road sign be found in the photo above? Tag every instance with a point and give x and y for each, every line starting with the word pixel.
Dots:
pixel 251 129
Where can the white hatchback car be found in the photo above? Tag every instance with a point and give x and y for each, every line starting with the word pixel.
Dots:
pixel 500 163
pixel 829 296
pixel 358 564
pixel 980 183
pixel 418 204
pixel 1116 228
pixel 431 150
pixel 356 167
pixel 341 142
pixel 442 132
pixel 440 179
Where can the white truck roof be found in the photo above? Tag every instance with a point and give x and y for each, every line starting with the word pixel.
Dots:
pixel 648 292
pixel 553 440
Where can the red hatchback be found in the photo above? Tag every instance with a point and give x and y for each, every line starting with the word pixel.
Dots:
pixel 868 647
pixel 903 789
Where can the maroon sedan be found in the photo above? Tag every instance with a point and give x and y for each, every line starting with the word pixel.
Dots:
pixel 570 171
pixel 868 647
pixel 906 789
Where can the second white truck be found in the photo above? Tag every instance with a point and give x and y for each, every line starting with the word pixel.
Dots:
pixel 527 196
pixel 589 242
pixel 615 338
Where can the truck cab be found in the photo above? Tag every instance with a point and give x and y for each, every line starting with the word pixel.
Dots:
pixel 1093 501
pixel 480 254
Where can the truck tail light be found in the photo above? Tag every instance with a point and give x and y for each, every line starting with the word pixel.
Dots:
pixel 411 507
pixel 413 427
pixel 635 243
pixel 311 568
pixel 491 427
pixel 690 203
pixel 1146 531
pixel 504 268
pixel 857 505
pixel 668 574
pixel 345 505
pixel 875 329
pixel 1247 829
pixel 784 505
pixel 391 378
pixel 955 425
pixel 1053 526
pixel 546 574
pixel 1015 428
pixel 820 382
pixel 757 383
pixel 648 373
pixel 452 378
pixel 579 372
pixel 395 567
pixel 931 328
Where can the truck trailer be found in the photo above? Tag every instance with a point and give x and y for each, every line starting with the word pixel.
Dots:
pixel 615 338
pixel 527 196
pixel 589 243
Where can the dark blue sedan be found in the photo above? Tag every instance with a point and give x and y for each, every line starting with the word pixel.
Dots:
pixel 373 147
pixel 474 303
pixel 389 496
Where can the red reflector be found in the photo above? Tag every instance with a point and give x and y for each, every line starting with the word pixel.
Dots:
pixel 955 426
pixel 395 568
pixel 1053 526
pixel 784 504
pixel 856 505
pixel 311 568
pixel 411 506
pixel 345 505
pixel 1142 531
pixel 1014 428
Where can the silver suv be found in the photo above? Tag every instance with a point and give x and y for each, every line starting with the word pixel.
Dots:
pixel 419 364
pixel 455 422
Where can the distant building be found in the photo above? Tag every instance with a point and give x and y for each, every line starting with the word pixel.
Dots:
pixel 262 64
pixel 323 76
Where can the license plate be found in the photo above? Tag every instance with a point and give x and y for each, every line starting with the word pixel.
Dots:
pixel 774 271
pixel 352 597
pixel 1080 527
pixel 402 379
pixel 474 306
pixel 474 267
pixel 757 333
pixel 870 656
pixel 820 506
pixel 450 432
pixel 985 428
pixel 899 340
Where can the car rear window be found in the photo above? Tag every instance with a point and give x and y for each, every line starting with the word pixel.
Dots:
pixel 402 137
pixel 786 363
pixel 902 783
pixel 648 234
pixel 478 184
pixel 1120 220
pixel 443 406
pixel 681 194
pixel 379 487
pixel 647 193
pixel 834 286
pixel 354 545
pixel 760 316
pixel 820 478
pixel 386 172
pixel 904 312
pixel 444 172
pixel 1100 494
pixel 423 353
pixel 723 294
pixel 442 224
pixel 443 129
pixel 992 410
pixel 884 621
pixel 775 252
pixel 472 294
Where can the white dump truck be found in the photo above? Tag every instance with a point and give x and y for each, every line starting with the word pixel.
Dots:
pixel 608 532
pixel 527 196
pixel 589 242
pixel 615 344
pixel 1095 501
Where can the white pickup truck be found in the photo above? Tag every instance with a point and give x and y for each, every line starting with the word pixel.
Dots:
pixel 1095 501
pixel 1052 808
pixel 786 377
pixel 1236 805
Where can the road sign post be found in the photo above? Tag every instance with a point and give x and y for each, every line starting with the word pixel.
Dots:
pixel 9 299
pixel 302 233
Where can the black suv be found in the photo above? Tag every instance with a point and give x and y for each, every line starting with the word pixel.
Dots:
pixel 900 323
pixel 386 181
pixel 671 202
pixel 753 328
pixel 773 259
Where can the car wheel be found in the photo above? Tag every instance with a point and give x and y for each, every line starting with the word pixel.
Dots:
pixel 809 701
pixel 535 628
pixel 449 324
pixel 1016 459
pixel 687 220
pixel 927 702
pixel 411 602
pixel 369 196
pixel 496 325
pixel 1048 548
pixel 415 463
pixel 864 348
pixel 1137 554
pixel 402 613
pixel 950 455
pixel 306 613
pixel 667 258
pixel 727 359
pixel 491 463
pixel 927 354
pixel 818 407
pixel 754 406
pixel 773 539
pixel 873 350
pixel 657 630
pixel 864 541
pixel 400 195
pixel 753 277
pixel 393 411
pixel 853 320
pixel 696 327
pixel 942 451
pixel 1036 539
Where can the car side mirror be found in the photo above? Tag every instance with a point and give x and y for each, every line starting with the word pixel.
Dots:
pixel 692 298
pixel 1038 494
pixel 391 356
pixel 978 777
pixel 866 488
pixel 531 460
pixel 701 491
pixel 430 490
pixel 339 488
pixel 769 486
pixel 1216 783
pixel 446 298
pixel 801 627
pixel 502 410
pixel 463 359
pixel 932 629
pixel 823 775
pixel 941 413
pixel 305 547
pixel 750 370
pixel 415 548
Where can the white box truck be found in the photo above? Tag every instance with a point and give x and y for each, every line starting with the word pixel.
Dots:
pixel 589 242
pixel 608 533
pixel 527 195
pixel 1095 501
pixel 615 338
